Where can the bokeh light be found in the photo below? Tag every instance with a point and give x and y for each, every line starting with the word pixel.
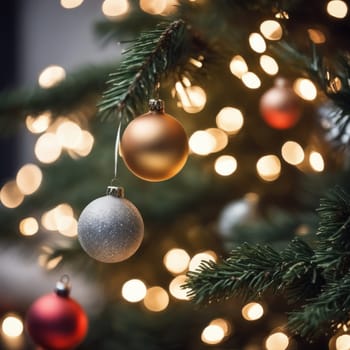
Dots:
pixel 38 124
pixel 316 36
pixel 212 334
pixel 193 98
pixel 223 324
pixel 134 290
pixel 47 148
pixel 28 226
pixel 69 134
pixel 197 259
pixel 238 66
pixel 268 64
pixel 175 287
pixel 12 325
pixel 51 76
pixel 343 342
pixel 277 341
pixel 230 120
pixel 176 260
pixel 221 138
pixel 269 167
pixel 305 88
pixel 202 142
pixel 225 165
pixel 251 80
pixel 153 7
pixel 257 42
pixel 10 195
pixel 337 8
pixel 112 8
pixel 84 147
pixel 70 4
pixel 316 161
pixel 252 311
pixel 156 299
pixel 29 178
pixel 292 153
pixel 271 30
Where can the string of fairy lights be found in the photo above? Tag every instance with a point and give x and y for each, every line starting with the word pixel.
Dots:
pixel 67 134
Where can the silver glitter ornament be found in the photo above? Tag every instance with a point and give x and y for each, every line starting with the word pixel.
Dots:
pixel 110 228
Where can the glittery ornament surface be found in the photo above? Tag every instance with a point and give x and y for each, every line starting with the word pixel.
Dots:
pixel 110 229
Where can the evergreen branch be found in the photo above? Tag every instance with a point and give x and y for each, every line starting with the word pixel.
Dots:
pixel 332 253
pixel 154 53
pixel 323 313
pixel 250 271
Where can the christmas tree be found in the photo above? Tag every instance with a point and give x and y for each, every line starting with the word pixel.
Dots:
pixel 235 238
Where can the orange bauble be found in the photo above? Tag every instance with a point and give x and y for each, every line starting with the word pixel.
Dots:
pixel 280 106
pixel 154 146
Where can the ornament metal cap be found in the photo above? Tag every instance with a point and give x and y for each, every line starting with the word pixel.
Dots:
pixel 63 286
pixel 156 105
pixel 115 191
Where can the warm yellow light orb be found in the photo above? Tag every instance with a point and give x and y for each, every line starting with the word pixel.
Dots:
pixel 113 8
pixel 176 260
pixel 257 42
pixel 230 120
pixel 277 341
pixel 201 142
pixel 12 325
pixel 316 161
pixel 156 299
pixel 68 226
pixel 269 167
pixel 84 147
pixel 316 36
pixel 175 287
pixel 134 290
pixel 271 30
pixel 223 324
pixel 193 98
pixel 48 148
pixel 305 88
pixel 292 152
pixel 221 138
pixel 69 134
pixel 51 76
pixel 238 66
pixel 342 342
pixel 153 7
pixel 212 334
pixel 10 195
pixel 48 220
pixel 269 64
pixel 225 165
pixel 71 4
pixel 198 258
pixel 337 8
pixel 252 311
pixel 28 226
pixel 251 80
pixel 38 124
pixel 29 178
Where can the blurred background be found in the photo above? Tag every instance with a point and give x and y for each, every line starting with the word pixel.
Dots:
pixel 264 146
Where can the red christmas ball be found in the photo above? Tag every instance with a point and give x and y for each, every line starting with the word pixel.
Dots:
pixel 56 322
pixel 280 106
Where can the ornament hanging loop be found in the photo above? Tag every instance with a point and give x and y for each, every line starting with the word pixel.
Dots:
pixel 63 286
pixel 114 181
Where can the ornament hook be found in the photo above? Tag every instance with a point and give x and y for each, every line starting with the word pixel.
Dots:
pixel 116 151
pixel 63 286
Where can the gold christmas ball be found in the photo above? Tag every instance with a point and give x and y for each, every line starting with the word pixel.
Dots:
pixel 154 145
